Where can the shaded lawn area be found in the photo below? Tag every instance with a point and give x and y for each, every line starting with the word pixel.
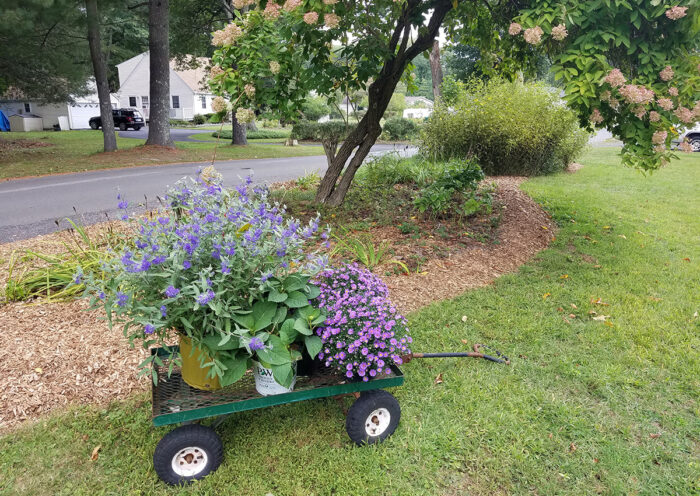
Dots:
pixel 78 151
pixel 586 407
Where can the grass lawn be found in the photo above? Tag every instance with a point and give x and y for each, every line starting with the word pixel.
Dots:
pixel 78 151
pixel 587 406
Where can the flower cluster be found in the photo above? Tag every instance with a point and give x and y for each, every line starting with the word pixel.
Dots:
pixel 514 29
pixel 271 11
pixel 533 35
pixel 244 115
pixel 215 71
pixel 249 90
pixel 654 116
pixel 290 5
pixel 363 334
pixel 596 117
pixel 226 36
pixel 331 20
pixel 675 13
pixel 673 91
pixel 311 18
pixel 665 103
pixel 659 137
pixel 218 104
pixel 206 256
pixel 615 78
pixel 241 4
pixel 667 73
pixel 559 32
pixel 274 67
pixel 684 115
pixel 686 147
pixel 635 94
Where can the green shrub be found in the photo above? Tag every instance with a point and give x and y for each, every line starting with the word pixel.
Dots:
pixel 178 123
pixel 259 134
pixel 215 118
pixel 398 128
pixel 314 108
pixel 454 192
pixel 512 129
pixel 391 169
pixel 198 119
pixel 305 130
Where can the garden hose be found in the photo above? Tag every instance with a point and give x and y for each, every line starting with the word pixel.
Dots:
pixel 499 358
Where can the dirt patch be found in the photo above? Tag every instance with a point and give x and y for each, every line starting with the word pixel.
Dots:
pixel 524 230
pixel 574 167
pixel 8 146
pixel 55 354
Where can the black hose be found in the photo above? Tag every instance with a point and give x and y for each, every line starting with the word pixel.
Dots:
pixel 461 355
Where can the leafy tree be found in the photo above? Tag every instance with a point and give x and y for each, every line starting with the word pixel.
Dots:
pixel 314 108
pixel 596 46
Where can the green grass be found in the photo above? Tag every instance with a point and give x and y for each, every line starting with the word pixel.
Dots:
pixel 78 151
pixel 574 413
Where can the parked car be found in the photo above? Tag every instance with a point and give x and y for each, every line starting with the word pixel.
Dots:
pixel 692 136
pixel 123 119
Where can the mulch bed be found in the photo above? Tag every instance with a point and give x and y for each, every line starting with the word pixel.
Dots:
pixel 8 146
pixel 56 354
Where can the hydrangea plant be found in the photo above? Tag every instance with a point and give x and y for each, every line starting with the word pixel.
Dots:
pixel 363 334
pixel 226 268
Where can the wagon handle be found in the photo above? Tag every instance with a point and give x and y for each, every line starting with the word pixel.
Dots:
pixel 469 354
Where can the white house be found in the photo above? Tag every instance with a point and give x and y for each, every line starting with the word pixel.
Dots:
pixel 188 93
pixel 77 112
pixel 417 107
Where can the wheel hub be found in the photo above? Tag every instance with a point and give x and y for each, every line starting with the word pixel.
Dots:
pixel 189 461
pixel 377 422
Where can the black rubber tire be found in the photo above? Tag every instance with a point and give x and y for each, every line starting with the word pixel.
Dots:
pixel 359 412
pixel 122 127
pixel 136 128
pixel 695 143
pixel 193 435
pixel 94 126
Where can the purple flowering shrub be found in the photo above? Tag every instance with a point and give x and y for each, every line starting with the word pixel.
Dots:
pixel 227 268
pixel 363 334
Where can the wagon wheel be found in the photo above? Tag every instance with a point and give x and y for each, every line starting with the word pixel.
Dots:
pixel 188 453
pixel 373 417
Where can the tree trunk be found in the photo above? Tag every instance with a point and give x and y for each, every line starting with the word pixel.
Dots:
pixel 100 69
pixel 238 131
pixel 436 69
pixel 159 47
pixel 331 190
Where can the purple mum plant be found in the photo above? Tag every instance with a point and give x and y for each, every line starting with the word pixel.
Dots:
pixel 363 334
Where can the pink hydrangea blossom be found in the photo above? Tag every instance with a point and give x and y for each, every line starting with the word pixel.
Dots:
pixel 330 2
pixel 675 13
pixel 635 94
pixel 667 73
pixel 686 147
pixel 331 20
pixel 659 137
pixel 660 148
pixel 559 32
pixel 596 117
pixel 605 95
pixel 290 5
pixel 685 115
pixel 673 91
pixel 226 36
pixel 214 71
pixel 533 35
pixel 665 103
pixel 272 11
pixel 311 18
pixel 249 90
pixel 639 111
pixel 615 78
pixel 654 116
pixel 514 29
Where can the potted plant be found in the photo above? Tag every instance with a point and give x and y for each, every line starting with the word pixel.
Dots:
pixel 226 272
pixel 363 334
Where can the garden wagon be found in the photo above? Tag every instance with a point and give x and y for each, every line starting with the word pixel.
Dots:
pixel 192 450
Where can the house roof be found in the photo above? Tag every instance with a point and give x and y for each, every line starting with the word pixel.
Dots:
pixel 194 78
pixel 412 100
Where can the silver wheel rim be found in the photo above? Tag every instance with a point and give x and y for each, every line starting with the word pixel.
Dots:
pixel 377 422
pixel 695 145
pixel 189 461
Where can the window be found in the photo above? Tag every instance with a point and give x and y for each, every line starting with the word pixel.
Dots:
pixel 132 101
pixel 204 101
pixel 176 101
pixel 27 108
pixel 144 102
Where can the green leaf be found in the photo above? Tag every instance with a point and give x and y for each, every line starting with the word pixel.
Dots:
pixel 213 342
pixel 264 310
pixel 312 291
pixel 283 374
pixel 276 352
pixel 276 296
pixel 302 326
pixel 294 282
pixel 280 315
pixel 296 299
pixel 313 345
pixel 246 321
pixel 236 368
pixel 287 332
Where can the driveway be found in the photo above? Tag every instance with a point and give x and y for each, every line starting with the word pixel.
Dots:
pixel 33 206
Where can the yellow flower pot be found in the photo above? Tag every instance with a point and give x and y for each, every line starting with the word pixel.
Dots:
pixel 192 373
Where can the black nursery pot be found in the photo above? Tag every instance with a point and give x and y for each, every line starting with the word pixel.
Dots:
pixel 307 366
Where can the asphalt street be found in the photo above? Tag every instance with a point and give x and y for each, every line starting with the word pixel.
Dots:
pixel 35 206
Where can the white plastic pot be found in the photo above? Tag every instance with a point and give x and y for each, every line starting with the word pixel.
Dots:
pixel 265 382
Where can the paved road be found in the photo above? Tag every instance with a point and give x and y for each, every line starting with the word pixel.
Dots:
pixel 31 207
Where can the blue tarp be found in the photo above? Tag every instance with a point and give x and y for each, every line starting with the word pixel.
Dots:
pixel 4 123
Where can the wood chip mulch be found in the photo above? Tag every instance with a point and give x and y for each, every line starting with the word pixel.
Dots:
pixel 56 354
